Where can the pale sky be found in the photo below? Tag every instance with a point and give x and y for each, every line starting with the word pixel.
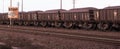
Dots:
pixel 30 5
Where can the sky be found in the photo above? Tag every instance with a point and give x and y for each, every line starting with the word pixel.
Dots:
pixel 32 5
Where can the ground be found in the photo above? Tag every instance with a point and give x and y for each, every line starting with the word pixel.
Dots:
pixel 29 41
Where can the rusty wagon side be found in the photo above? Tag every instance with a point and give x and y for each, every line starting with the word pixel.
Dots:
pixel 108 17
pixel 50 17
pixel 81 17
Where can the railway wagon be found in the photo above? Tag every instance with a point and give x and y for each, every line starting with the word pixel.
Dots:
pixel 14 21
pixel 19 21
pixel 4 18
pixel 31 18
pixel 23 18
pixel 80 17
pixel 50 17
pixel 107 18
pixel 27 18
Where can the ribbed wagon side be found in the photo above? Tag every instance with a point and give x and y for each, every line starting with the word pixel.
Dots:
pixel 4 18
pixel 32 18
pixel 80 17
pixel 50 18
pixel 23 18
pixel 1 22
pixel 28 18
pixel 107 18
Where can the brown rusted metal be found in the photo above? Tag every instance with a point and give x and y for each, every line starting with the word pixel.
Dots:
pixel 77 14
pixel 112 7
pixel 50 15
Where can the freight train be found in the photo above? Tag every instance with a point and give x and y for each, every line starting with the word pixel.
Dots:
pixel 87 18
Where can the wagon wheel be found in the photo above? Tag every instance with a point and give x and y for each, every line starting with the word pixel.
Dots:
pixel 116 27
pixel 20 23
pixel 44 24
pixel 87 26
pixel 1 22
pixel 80 25
pixel 103 26
pixel 57 24
pixel 8 23
pixel 25 23
pixel 36 23
pixel 49 24
pixel 67 25
pixel 15 22
pixel 52 24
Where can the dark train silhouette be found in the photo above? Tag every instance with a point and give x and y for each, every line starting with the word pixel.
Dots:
pixel 87 18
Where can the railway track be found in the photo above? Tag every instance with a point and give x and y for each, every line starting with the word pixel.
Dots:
pixel 36 31
pixel 69 31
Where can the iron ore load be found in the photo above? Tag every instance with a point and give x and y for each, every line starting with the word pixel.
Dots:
pixel 85 18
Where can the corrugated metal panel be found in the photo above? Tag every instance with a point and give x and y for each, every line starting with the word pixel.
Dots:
pixel 106 15
pixel 112 7
pixel 5 16
pixel 96 15
pixel 117 18
pixel 103 16
pixel 54 10
pixel 82 9
pixel 77 14
pixel 51 15
pixel 110 15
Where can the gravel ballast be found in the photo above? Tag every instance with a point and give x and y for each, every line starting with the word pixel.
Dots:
pixel 28 41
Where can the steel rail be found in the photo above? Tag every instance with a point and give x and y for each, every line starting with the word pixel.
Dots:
pixel 81 37
pixel 65 32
